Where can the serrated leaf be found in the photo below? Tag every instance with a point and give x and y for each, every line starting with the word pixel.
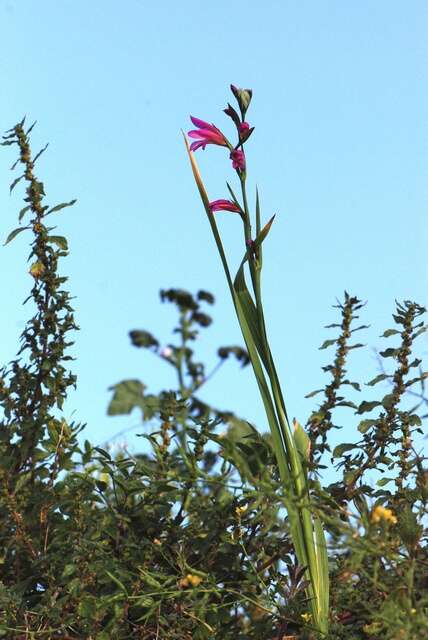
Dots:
pixel 128 395
pixel 60 241
pixel 14 233
pixel 58 207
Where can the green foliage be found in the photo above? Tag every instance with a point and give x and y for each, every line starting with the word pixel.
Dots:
pixel 189 538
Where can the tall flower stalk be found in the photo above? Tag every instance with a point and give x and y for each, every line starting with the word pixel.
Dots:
pixel 291 443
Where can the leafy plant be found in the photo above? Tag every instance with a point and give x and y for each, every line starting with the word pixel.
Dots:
pixel 190 537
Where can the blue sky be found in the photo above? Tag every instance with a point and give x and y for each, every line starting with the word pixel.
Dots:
pixel 339 152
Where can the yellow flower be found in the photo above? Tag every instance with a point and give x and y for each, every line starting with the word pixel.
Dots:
pixel 190 580
pixel 104 477
pixel 382 513
pixel 37 269
pixel 306 617
pixel 240 510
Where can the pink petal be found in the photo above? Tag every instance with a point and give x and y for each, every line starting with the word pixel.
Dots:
pixel 200 123
pixel 196 145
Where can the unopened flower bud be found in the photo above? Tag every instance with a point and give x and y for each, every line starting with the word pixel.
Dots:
pixel 243 97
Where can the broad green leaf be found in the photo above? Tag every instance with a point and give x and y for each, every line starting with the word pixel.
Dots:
pixel 128 395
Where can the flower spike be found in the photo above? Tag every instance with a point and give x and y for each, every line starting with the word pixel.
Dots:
pixel 224 205
pixel 206 134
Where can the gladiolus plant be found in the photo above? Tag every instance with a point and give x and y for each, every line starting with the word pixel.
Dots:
pixel 291 443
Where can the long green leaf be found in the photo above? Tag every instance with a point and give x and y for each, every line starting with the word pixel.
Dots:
pixel 307 535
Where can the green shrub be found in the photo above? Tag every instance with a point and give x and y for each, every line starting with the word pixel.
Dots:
pixel 190 537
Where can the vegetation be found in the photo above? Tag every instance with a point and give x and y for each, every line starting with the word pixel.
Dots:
pixel 195 536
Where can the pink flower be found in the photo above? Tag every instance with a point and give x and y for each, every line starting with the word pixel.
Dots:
pixel 206 134
pixel 224 205
pixel 244 131
pixel 238 159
